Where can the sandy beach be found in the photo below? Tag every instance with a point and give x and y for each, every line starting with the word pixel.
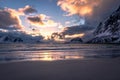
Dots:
pixel 94 69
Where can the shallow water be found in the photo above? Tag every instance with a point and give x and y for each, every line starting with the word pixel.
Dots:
pixel 53 52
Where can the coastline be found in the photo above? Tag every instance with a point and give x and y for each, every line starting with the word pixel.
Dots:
pixel 94 69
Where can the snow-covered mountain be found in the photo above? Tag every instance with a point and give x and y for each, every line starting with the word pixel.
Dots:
pixel 18 37
pixel 108 31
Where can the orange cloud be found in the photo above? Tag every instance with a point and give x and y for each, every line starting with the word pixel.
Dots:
pixel 75 35
pixel 27 10
pixel 79 7
pixel 12 16
pixel 9 18
pixel 42 21
pixel 35 20
pixel 45 24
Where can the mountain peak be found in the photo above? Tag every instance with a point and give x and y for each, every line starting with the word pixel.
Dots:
pixel 108 31
pixel 111 25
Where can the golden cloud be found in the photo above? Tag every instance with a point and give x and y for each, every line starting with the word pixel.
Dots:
pixel 27 10
pixel 12 16
pixel 42 20
pixel 79 7
pixel 45 24
pixel 75 35
pixel 10 19
pixel 35 20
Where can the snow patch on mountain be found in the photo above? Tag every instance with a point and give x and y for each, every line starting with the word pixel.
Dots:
pixel 108 31
pixel 18 37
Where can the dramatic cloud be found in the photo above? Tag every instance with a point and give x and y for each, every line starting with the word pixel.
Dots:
pixel 77 30
pixel 46 25
pixel 83 31
pixel 41 20
pixel 11 26
pixel 9 19
pixel 75 35
pixel 27 10
pixel 101 12
pixel 35 20
pixel 79 7
pixel 93 11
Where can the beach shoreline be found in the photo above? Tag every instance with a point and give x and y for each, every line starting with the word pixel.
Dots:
pixel 94 69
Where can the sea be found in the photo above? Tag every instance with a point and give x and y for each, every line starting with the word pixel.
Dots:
pixel 57 52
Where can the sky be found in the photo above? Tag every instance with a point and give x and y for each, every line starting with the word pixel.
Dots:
pixel 43 17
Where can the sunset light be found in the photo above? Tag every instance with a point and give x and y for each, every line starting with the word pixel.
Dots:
pixel 59 39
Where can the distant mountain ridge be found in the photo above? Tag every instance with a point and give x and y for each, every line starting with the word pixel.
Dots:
pixel 18 37
pixel 108 31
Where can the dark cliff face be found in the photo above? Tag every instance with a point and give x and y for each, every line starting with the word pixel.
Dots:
pixel 110 25
pixel 108 31
pixel 105 39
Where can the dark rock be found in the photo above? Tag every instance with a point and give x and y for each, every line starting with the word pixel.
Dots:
pixel 108 31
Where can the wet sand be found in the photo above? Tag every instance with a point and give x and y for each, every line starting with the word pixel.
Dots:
pixel 95 69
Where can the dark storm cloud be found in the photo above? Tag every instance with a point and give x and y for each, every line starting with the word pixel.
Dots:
pixel 101 12
pixel 28 9
pixel 8 20
pixel 77 29
pixel 35 20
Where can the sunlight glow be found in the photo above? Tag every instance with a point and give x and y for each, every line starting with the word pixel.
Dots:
pixel 79 7
pixel 50 56
pixel 86 10
pixel 75 35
